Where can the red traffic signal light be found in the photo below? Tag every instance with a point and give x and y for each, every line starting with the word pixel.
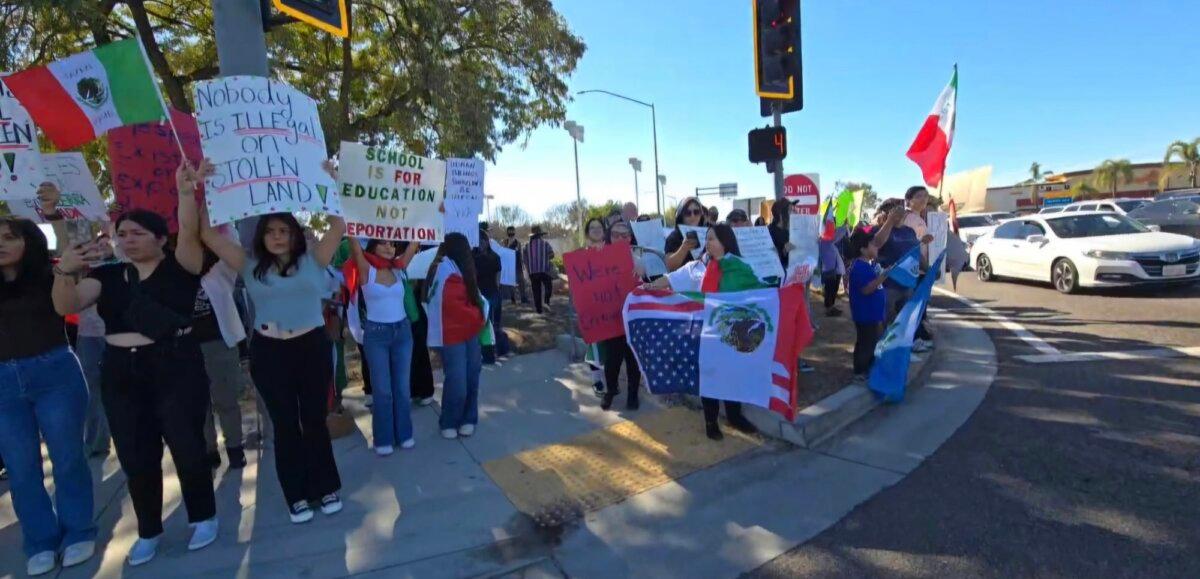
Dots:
pixel 768 144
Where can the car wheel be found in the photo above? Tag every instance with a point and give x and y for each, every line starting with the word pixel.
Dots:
pixel 1065 276
pixel 983 267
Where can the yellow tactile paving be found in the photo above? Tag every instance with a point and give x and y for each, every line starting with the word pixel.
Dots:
pixel 559 482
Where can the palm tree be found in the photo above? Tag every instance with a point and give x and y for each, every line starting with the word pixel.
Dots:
pixel 1189 162
pixel 1112 173
pixel 1083 190
pixel 1036 175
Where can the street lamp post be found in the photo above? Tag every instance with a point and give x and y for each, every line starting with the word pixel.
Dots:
pixel 576 131
pixel 636 163
pixel 654 127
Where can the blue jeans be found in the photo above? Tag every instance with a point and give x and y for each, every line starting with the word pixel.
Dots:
pixel 388 349
pixel 496 308
pixel 45 397
pixel 461 364
pixel 90 350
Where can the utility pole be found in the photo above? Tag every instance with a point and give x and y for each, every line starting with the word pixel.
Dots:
pixel 576 131
pixel 777 112
pixel 241 50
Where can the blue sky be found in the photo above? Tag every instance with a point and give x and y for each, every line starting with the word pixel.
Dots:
pixel 1064 83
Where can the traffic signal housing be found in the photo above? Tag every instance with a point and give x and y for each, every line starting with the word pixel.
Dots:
pixel 768 144
pixel 777 60
pixel 332 16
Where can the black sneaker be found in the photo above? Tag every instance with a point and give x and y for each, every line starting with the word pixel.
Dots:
pixel 236 456
pixel 300 512
pixel 713 432
pixel 598 388
pixel 833 312
pixel 214 459
pixel 741 424
pixel 607 401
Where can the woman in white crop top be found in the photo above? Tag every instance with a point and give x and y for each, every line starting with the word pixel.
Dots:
pixel 387 339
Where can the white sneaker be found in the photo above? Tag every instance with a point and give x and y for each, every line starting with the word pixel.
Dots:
pixel 77 553
pixel 300 512
pixel 922 346
pixel 449 433
pixel 368 400
pixel 410 443
pixel 143 551
pixel 331 504
pixel 203 534
pixel 41 563
pixel 384 450
pixel 466 430
pixel 425 401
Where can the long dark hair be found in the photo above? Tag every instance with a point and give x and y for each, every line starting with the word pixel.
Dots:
pixel 485 245
pixel 266 259
pixel 603 228
pixel 684 207
pixel 35 261
pixel 781 211
pixel 727 238
pixel 456 248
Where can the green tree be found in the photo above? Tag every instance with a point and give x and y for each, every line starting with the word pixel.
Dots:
pixel 438 77
pixel 1083 190
pixel 512 215
pixel 1189 162
pixel 1112 173
pixel 1036 176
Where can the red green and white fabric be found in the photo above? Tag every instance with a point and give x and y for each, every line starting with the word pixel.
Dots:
pixel 932 145
pixel 81 97
pixel 453 318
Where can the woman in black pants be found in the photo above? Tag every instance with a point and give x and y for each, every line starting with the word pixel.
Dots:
pixel 153 381
pixel 291 359
pixel 616 350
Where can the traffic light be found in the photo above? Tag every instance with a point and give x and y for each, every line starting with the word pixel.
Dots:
pixel 768 144
pixel 777 62
pixel 332 16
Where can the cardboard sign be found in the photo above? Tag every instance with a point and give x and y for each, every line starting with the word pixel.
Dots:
pixel 508 264
pixel 143 159
pixel 464 182
pixel 599 280
pixel 803 232
pixel 649 234
pixel 80 197
pixel 462 216
pixel 266 141
pixel 20 161
pixel 759 251
pixel 701 236
pixel 939 228
pixel 390 194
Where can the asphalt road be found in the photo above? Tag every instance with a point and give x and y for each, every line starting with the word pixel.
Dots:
pixel 1069 469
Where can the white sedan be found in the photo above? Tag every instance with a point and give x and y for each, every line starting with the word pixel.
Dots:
pixel 1095 249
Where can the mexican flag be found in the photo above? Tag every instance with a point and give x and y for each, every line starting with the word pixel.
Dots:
pixel 932 145
pixel 81 97
pixel 740 345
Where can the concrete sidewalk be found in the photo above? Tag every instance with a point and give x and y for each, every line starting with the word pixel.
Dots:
pixel 434 512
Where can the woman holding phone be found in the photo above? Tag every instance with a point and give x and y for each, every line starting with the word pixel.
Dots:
pixel 679 246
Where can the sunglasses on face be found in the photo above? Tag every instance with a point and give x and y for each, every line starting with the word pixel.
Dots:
pixel 692 212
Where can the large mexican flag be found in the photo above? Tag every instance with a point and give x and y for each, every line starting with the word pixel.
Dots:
pixel 79 98
pixel 932 145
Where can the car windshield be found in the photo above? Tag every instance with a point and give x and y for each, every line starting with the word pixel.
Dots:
pixel 1095 225
pixel 975 221
pixel 1128 206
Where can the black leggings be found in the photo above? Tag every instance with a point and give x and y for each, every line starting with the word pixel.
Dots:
pixel 712 409
pixel 616 352
pixel 293 378
pixel 864 346
pixel 543 288
pixel 151 394
pixel 830 284
pixel 421 372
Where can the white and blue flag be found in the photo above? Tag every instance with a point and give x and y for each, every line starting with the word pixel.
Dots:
pixel 889 373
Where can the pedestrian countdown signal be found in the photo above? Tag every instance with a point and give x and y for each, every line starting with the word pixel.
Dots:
pixel 768 144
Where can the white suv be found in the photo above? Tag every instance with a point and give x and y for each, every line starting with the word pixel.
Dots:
pixel 1118 206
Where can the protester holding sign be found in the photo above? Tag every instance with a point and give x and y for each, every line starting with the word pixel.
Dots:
pixel 154 384
pixel 290 356
pixel 43 396
pixel 723 271
pixel 616 349
pixel 595 232
pixel 386 311
pixel 679 247
pixel 457 325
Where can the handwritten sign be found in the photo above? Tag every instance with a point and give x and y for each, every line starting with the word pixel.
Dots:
pixel 759 251
pixel 649 234
pixel 464 182
pixel 266 141
pixel 80 197
pixel 17 131
pixel 462 216
pixel 701 236
pixel 20 161
pixel 143 159
pixel 599 280
pixel 508 263
pixel 390 194
pixel 803 231
pixel 939 228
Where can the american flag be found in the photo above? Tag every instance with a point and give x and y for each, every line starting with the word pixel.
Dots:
pixel 664 330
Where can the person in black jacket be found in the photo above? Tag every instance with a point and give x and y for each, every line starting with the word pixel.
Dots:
pixel 487 271
pixel 679 247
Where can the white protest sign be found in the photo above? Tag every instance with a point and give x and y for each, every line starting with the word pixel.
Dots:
pixel 390 194
pixel 508 263
pixel 759 251
pixel 939 228
pixel 462 217
pixel 649 234
pixel 655 266
pixel 701 236
pixel 418 266
pixel 265 140
pixel 21 163
pixel 17 131
pixel 803 231
pixel 464 182
pixel 80 197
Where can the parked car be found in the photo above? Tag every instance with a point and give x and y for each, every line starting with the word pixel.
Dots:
pixel 1181 215
pixel 1094 249
pixel 1051 209
pixel 973 225
pixel 1119 206
pixel 1177 194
